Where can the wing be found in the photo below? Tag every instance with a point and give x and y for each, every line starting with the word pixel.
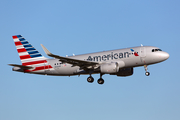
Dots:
pixel 75 62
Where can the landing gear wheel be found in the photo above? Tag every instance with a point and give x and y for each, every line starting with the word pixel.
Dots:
pixel 90 79
pixel 100 81
pixel 147 73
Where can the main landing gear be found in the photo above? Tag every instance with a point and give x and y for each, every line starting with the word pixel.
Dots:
pixel 147 73
pixel 90 79
pixel 100 80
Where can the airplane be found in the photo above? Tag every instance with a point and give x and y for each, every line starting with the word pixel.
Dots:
pixel 118 62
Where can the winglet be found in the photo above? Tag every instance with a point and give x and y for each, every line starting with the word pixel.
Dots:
pixel 45 49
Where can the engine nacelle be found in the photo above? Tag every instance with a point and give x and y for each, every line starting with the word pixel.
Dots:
pixel 124 72
pixel 109 68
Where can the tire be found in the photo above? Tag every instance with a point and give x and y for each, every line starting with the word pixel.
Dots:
pixel 100 81
pixel 147 73
pixel 90 79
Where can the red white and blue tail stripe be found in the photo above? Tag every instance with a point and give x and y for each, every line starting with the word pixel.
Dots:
pixel 29 55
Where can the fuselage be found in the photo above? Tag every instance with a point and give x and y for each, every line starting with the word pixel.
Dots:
pixel 146 55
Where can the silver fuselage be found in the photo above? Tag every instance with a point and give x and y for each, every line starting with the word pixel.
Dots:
pixel 146 57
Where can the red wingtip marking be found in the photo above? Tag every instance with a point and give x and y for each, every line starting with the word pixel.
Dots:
pixel 14 37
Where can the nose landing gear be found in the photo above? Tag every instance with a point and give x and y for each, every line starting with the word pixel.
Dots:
pixel 147 73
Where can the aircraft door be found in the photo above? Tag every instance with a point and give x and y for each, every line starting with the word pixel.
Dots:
pixel 142 52
pixel 143 55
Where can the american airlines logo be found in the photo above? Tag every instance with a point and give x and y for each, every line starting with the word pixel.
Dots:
pixel 110 56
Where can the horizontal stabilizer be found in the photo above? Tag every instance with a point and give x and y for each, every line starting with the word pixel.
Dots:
pixel 21 66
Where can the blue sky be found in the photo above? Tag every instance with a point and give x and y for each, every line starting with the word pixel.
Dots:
pixel 78 27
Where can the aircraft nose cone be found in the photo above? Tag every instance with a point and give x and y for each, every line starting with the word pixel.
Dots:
pixel 165 55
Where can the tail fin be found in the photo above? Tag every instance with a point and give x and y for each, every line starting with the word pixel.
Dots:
pixel 28 54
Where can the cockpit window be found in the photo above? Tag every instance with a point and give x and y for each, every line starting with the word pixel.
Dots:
pixel 155 50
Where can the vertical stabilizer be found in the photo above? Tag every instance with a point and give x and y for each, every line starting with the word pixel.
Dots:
pixel 29 56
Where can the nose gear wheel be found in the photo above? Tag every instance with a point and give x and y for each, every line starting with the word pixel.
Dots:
pixel 147 73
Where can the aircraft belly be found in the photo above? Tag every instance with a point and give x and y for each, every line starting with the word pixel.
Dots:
pixel 66 70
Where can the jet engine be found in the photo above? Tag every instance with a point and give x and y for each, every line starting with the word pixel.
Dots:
pixel 124 72
pixel 109 68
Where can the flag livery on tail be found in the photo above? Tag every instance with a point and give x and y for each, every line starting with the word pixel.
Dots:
pixel 29 55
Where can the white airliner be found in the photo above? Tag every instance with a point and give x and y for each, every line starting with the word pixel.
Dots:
pixel 118 62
